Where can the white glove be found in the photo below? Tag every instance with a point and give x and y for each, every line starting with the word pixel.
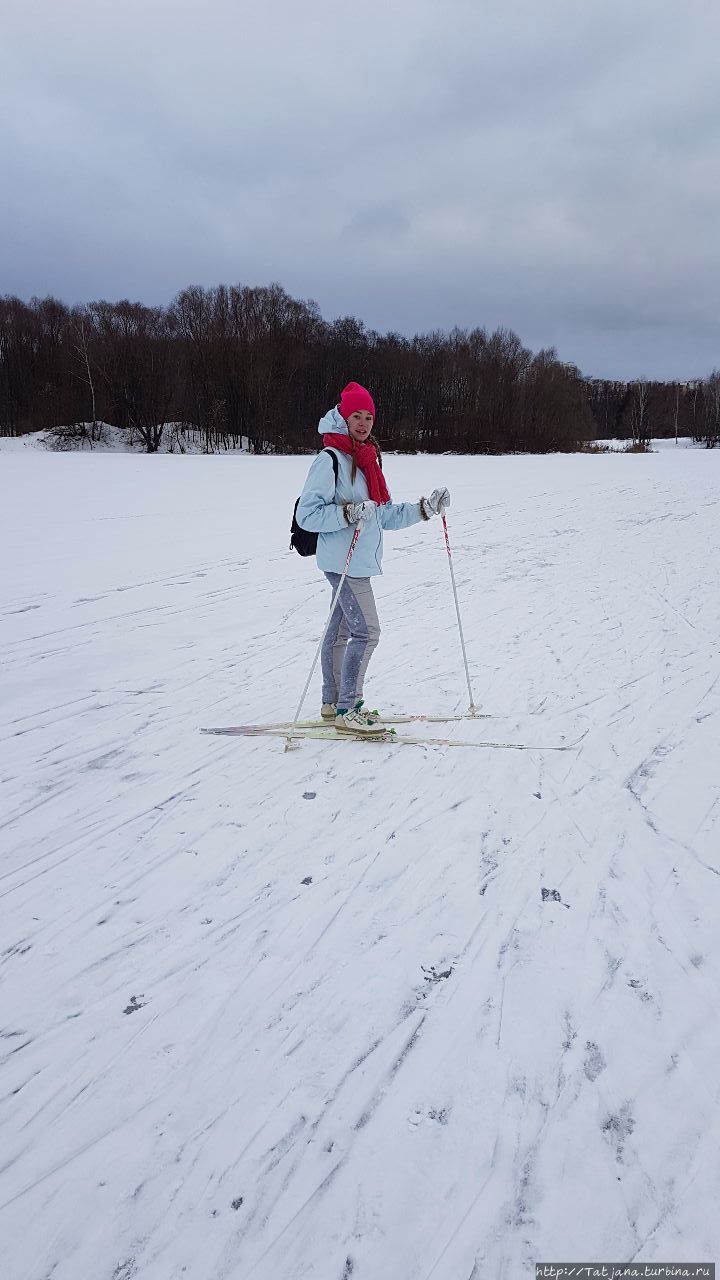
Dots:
pixel 438 498
pixel 359 512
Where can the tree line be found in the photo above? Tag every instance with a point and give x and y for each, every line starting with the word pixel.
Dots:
pixel 643 410
pixel 238 362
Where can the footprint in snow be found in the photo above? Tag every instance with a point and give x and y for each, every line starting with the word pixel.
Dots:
pixel 439 1115
pixel 638 985
pixel 136 1002
pixel 431 974
pixel 594 1063
pixel 618 1127
pixel 552 895
pixel 125 1270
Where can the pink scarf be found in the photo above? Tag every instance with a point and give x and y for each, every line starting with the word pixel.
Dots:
pixel 366 457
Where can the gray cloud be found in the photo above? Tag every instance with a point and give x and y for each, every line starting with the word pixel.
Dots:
pixel 550 167
pixel 376 221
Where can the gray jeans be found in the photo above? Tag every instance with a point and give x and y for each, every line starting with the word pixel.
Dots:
pixel 350 642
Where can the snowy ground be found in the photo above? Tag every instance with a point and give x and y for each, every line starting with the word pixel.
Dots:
pixel 111 439
pixel 486 1032
pixel 655 446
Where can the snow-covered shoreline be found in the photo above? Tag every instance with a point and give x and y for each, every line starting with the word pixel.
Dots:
pixel 113 440
pixel 105 438
pixel 485 1032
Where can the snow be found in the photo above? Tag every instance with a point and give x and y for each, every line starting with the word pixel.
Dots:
pixel 655 445
pixel 106 438
pixel 417 1066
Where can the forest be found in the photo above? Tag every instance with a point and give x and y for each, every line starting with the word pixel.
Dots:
pixel 254 366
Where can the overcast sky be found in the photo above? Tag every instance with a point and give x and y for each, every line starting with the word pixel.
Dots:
pixel 548 165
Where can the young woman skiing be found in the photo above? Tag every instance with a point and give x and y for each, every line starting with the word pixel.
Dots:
pixel 333 511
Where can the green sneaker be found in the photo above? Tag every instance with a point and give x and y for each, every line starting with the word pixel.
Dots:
pixel 356 722
pixel 372 716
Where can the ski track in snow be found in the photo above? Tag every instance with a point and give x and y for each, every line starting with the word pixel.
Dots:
pixel 418 1015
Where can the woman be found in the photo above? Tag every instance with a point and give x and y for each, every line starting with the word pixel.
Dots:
pixel 332 510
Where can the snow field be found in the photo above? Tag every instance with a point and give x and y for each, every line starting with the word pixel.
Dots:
pixel 485 1033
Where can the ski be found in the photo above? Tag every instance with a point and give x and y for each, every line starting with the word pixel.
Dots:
pixel 391 738
pixel 398 719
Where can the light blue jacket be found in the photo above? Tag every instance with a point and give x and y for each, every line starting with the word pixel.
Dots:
pixel 320 510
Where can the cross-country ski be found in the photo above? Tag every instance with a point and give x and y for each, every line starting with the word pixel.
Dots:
pixel 391 719
pixel 390 738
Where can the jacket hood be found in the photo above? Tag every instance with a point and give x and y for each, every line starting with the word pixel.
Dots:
pixel 333 423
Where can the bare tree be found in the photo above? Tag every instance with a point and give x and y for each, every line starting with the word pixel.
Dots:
pixel 712 409
pixel 640 418
pixel 81 324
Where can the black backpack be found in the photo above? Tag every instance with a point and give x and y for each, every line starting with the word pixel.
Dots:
pixel 303 540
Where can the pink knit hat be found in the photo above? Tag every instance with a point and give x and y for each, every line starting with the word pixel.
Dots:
pixel 354 398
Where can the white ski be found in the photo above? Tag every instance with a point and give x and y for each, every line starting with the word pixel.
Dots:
pixel 391 719
pixel 391 738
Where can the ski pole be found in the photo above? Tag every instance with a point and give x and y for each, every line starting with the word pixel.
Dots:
pixel 472 708
pixel 356 535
